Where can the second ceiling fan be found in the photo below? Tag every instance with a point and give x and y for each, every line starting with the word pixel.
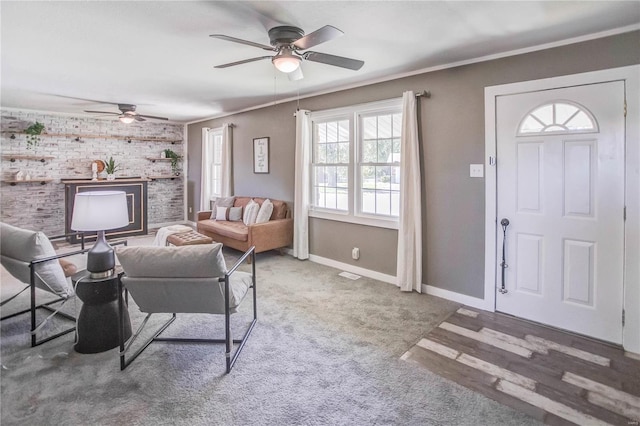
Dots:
pixel 288 43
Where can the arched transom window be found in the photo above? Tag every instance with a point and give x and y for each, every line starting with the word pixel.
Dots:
pixel 558 117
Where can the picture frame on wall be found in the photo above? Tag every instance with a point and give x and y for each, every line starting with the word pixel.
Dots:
pixel 261 155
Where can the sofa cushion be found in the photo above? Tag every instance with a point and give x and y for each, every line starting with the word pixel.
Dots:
pixel 236 230
pixel 279 210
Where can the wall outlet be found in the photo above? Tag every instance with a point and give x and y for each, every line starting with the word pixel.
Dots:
pixel 355 253
pixel 476 170
pixel 190 209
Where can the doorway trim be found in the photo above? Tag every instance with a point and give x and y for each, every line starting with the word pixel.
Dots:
pixel 631 281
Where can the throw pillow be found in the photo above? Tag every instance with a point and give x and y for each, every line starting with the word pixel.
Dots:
pixel 221 213
pixel 234 214
pixel 250 213
pixel 265 211
pixel 221 202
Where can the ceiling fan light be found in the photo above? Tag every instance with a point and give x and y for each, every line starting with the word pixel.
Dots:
pixel 126 119
pixel 286 63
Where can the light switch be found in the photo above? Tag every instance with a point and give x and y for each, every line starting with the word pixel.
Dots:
pixel 476 170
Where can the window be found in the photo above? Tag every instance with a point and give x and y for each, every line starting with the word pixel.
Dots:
pixel 558 117
pixel 211 166
pixel 356 163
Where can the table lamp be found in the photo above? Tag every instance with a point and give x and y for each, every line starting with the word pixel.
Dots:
pixel 100 211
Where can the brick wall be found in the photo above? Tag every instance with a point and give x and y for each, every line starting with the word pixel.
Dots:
pixel 41 207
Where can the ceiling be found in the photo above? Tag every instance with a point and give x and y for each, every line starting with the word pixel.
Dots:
pixel 66 56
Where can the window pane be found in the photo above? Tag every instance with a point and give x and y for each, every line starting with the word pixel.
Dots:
pixel 331 199
pixel 369 151
pixel 395 203
pixel 343 131
pixel 383 202
pixel 321 132
pixel 564 112
pixel 384 151
pixel 384 126
pixel 342 199
pixel 332 153
pixel 368 201
pixel 581 121
pixel 320 176
pixel 395 178
pixel 544 114
pixel 368 177
pixel 369 130
pixel 332 131
pixel 383 177
pixel 396 151
pixel 343 153
pixel 531 125
pixel 342 177
pixel 397 125
pixel 321 153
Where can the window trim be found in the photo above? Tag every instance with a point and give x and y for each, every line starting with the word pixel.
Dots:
pixel 354 114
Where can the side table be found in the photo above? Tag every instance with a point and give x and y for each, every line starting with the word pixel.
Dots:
pixel 98 319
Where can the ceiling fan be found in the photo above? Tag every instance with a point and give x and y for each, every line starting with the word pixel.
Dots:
pixel 128 114
pixel 288 42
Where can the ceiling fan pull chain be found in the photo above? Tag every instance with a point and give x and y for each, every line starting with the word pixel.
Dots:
pixel 505 223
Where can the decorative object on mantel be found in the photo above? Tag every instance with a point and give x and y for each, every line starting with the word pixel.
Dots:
pixel 175 159
pixel 261 155
pixel 19 175
pixel 97 166
pixel 33 134
pixel 163 154
pixel 111 168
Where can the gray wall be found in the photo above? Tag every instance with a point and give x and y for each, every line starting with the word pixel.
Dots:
pixel 452 137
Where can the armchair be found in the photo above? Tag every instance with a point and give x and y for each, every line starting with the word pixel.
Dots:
pixel 29 256
pixel 188 279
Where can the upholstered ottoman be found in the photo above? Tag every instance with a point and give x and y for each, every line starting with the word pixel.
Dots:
pixel 188 239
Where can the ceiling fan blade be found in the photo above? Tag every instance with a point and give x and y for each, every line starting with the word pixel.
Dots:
pixel 231 64
pixel 150 116
pixel 337 61
pixel 296 75
pixel 247 42
pixel 325 33
pixel 103 112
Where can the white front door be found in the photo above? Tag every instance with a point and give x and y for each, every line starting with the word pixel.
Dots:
pixel 560 171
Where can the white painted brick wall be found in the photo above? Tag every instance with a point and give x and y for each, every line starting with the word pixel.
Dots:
pixel 41 207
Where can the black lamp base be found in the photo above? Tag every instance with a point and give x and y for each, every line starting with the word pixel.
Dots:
pixel 101 261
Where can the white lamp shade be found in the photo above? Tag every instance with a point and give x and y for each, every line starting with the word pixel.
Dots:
pixel 286 63
pixel 126 119
pixel 99 211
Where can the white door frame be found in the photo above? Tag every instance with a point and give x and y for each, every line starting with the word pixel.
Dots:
pixel 631 77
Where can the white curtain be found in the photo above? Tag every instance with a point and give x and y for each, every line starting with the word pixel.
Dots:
pixel 227 139
pixel 206 187
pixel 302 182
pixel 409 262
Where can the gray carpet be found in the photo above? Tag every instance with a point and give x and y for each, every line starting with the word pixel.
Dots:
pixel 325 351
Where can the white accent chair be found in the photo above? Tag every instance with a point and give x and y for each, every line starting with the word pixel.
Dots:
pixel 187 279
pixel 30 257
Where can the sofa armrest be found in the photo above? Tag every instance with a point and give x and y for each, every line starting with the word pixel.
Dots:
pixel 204 215
pixel 274 233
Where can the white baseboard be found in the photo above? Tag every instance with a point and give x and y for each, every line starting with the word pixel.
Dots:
pixel 391 279
pixel 353 269
pixel 474 302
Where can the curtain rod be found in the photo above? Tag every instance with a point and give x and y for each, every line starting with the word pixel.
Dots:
pixel 424 93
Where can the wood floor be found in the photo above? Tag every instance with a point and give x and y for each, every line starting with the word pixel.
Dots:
pixel 558 378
